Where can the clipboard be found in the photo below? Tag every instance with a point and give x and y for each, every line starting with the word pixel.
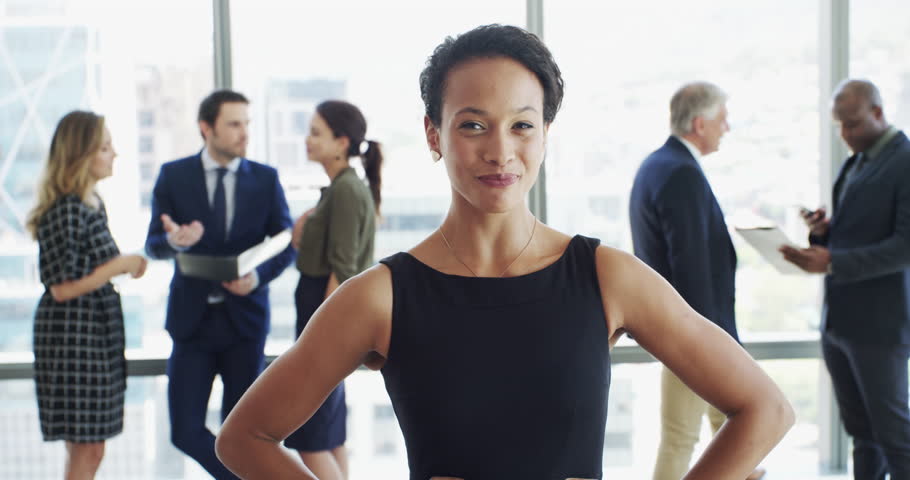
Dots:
pixel 767 239
pixel 227 268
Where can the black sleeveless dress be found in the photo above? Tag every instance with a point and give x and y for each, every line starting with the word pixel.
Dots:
pixel 495 378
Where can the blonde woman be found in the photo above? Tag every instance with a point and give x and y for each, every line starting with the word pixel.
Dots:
pixel 80 371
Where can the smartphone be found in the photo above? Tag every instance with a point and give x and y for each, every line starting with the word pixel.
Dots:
pixel 807 213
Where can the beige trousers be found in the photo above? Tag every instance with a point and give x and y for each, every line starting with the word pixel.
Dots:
pixel 681 411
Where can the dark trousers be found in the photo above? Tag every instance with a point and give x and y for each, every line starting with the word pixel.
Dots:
pixel 216 348
pixel 870 383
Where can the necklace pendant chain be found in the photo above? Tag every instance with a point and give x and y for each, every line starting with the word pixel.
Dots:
pixel 452 251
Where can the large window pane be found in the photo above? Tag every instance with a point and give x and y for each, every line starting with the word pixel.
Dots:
pixel 633 423
pixel 616 111
pixel 879 51
pixel 291 55
pixel 114 58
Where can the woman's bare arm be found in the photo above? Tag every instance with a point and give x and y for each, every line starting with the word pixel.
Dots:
pixel 638 300
pixel 331 285
pixel 70 289
pixel 352 327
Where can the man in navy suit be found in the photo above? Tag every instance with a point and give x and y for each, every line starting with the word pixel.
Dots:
pixel 216 203
pixel 678 229
pixel 864 250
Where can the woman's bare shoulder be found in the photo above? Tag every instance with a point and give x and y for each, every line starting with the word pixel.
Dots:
pixel 552 239
pixel 551 245
pixel 362 303
pixel 624 279
pixel 424 249
pixel 627 286
pixel 373 286
pixel 433 253
pixel 613 262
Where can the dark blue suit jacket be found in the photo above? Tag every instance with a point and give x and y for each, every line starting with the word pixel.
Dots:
pixel 260 210
pixel 678 229
pixel 867 299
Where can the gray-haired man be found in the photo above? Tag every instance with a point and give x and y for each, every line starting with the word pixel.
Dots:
pixel 678 229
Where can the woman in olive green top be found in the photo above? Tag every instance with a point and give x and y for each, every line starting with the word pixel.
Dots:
pixel 335 242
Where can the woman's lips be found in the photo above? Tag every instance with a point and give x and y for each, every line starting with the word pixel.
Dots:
pixel 499 179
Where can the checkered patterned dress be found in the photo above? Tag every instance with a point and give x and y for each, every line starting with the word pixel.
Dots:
pixel 80 371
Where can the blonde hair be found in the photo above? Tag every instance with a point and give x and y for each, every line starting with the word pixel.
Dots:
pixel 76 140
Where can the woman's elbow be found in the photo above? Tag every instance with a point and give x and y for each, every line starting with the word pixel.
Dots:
pixel 789 416
pixel 779 414
pixel 229 445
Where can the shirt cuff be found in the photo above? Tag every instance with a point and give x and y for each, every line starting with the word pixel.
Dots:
pixel 255 279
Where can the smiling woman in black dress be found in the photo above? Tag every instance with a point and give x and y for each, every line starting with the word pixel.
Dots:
pixel 493 334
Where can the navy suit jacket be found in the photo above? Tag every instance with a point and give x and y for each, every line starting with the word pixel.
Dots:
pixel 678 229
pixel 867 298
pixel 260 210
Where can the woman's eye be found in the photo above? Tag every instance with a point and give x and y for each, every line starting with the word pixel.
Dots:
pixel 471 126
pixel 523 125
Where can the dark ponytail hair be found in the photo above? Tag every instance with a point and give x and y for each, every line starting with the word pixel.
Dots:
pixel 372 166
pixel 345 120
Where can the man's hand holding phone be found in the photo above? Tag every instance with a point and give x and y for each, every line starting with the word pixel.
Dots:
pixel 816 220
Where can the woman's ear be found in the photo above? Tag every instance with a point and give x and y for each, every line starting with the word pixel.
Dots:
pixel 344 144
pixel 432 134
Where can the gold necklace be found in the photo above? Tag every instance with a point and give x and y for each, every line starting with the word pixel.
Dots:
pixel 452 250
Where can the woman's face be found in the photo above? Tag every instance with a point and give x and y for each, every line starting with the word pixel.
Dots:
pixel 103 160
pixel 321 144
pixel 492 133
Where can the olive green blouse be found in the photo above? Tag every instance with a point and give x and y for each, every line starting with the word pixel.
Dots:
pixel 339 235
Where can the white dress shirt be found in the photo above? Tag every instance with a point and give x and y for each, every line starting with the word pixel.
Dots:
pixel 692 148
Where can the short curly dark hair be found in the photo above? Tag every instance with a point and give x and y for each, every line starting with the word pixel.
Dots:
pixel 490 41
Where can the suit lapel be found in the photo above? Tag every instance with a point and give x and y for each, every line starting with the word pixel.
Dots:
pixel 876 164
pixel 870 168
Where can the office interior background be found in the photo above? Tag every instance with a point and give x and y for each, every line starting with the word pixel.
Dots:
pixel 146 65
